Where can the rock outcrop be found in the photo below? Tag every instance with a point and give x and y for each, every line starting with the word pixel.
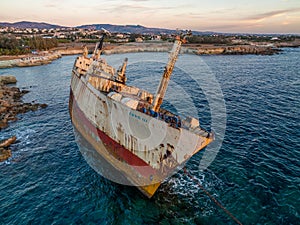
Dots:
pixel 31 60
pixel 231 50
pixel 193 49
pixel 5 152
pixel 8 79
pixel 69 51
pixel 138 47
pixel 10 106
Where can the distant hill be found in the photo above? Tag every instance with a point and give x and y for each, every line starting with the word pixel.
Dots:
pixel 135 29
pixel 127 28
pixel 27 24
pixel 112 28
pixel 120 28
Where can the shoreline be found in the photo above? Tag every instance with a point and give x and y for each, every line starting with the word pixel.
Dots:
pixel 46 57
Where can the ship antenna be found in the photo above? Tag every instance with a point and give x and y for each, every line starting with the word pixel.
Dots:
pixel 164 82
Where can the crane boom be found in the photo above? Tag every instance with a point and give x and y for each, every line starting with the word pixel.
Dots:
pixel 164 81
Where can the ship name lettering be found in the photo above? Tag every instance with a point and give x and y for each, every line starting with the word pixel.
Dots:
pixel 138 117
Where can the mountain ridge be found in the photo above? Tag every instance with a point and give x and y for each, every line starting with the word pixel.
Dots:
pixel 115 28
pixel 29 24
pixel 111 27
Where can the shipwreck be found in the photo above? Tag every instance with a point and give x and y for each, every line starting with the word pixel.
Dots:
pixel 127 126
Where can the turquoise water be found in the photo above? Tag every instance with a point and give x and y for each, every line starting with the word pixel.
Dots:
pixel 255 174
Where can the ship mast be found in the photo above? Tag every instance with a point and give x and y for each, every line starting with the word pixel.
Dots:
pixel 164 81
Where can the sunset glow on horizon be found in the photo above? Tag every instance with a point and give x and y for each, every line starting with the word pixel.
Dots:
pixel 267 16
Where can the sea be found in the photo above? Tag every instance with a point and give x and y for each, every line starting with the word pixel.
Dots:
pixel 250 102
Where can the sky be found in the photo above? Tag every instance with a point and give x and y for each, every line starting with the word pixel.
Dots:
pixel 242 16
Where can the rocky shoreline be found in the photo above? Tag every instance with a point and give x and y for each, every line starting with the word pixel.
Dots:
pixel 236 50
pixel 30 60
pixel 11 105
pixel 194 49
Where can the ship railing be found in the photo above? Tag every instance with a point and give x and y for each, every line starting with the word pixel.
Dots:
pixel 173 120
pixel 169 118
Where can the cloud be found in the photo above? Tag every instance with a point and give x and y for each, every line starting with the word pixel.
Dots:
pixel 271 14
pixel 255 23
pixel 51 5
pixel 190 16
pixel 222 11
pixel 222 27
pixel 131 8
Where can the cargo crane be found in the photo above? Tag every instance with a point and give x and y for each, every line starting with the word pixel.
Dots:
pixel 98 49
pixel 164 82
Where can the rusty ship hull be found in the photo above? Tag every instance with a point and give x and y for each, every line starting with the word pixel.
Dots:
pixel 144 145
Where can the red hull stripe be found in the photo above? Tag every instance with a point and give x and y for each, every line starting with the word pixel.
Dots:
pixel 114 147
